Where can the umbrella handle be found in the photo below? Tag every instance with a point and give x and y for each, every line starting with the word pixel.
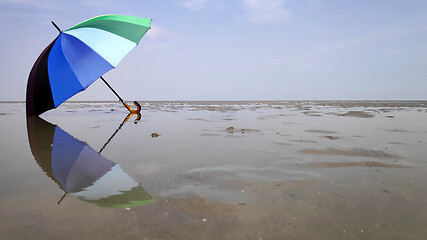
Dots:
pixel 138 107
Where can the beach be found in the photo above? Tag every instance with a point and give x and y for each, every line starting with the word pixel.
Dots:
pixel 216 170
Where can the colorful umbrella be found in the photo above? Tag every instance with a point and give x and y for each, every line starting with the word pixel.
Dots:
pixel 81 171
pixel 79 56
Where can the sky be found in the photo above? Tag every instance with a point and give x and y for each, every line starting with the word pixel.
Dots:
pixel 237 49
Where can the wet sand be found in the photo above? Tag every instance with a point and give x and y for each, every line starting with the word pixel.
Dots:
pixel 215 170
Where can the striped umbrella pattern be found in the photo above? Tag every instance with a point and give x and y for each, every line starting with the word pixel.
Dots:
pixel 79 56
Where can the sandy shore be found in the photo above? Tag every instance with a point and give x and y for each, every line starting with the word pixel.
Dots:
pixel 220 170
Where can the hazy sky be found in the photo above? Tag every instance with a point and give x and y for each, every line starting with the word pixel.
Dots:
pixel 237 49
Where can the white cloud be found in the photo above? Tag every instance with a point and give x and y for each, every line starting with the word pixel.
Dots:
pixel 194 4
pixel 266 11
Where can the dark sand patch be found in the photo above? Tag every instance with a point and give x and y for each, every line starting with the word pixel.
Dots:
pixel 332 137
pixel 282 143
pixel 356 152
pixel 304 141
pixel 355 164
pixel 398 143
pixel 284 134
pixel 321 131
pixel 209 108
pixel 255 108
pixel 313 113
pixel 389 116
pixel 397 130
pixel 209 135
pixel 360 114
pixel 241 130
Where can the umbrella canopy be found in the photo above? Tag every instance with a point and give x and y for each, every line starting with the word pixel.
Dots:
pixel 81 171
pixel 79 56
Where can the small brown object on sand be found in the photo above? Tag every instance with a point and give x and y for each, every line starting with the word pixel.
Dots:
pixel 153 135
pixel 230 129
pixel 332 137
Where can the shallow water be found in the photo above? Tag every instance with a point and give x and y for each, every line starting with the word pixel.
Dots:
pixel 215 170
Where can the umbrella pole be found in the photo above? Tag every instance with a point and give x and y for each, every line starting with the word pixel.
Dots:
pixel 121 100
pixel 62 198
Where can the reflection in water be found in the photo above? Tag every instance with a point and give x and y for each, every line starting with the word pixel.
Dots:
pixel 138 117
pixel 81 171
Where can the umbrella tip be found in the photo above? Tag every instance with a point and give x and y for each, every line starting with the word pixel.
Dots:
pixel 56 26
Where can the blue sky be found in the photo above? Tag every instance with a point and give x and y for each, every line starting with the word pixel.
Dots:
pixel 237 49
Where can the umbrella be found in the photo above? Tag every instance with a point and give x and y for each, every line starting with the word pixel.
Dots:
pixel 79 56
pixel 81 171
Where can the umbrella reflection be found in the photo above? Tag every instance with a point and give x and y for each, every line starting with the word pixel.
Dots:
pixel 81 171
